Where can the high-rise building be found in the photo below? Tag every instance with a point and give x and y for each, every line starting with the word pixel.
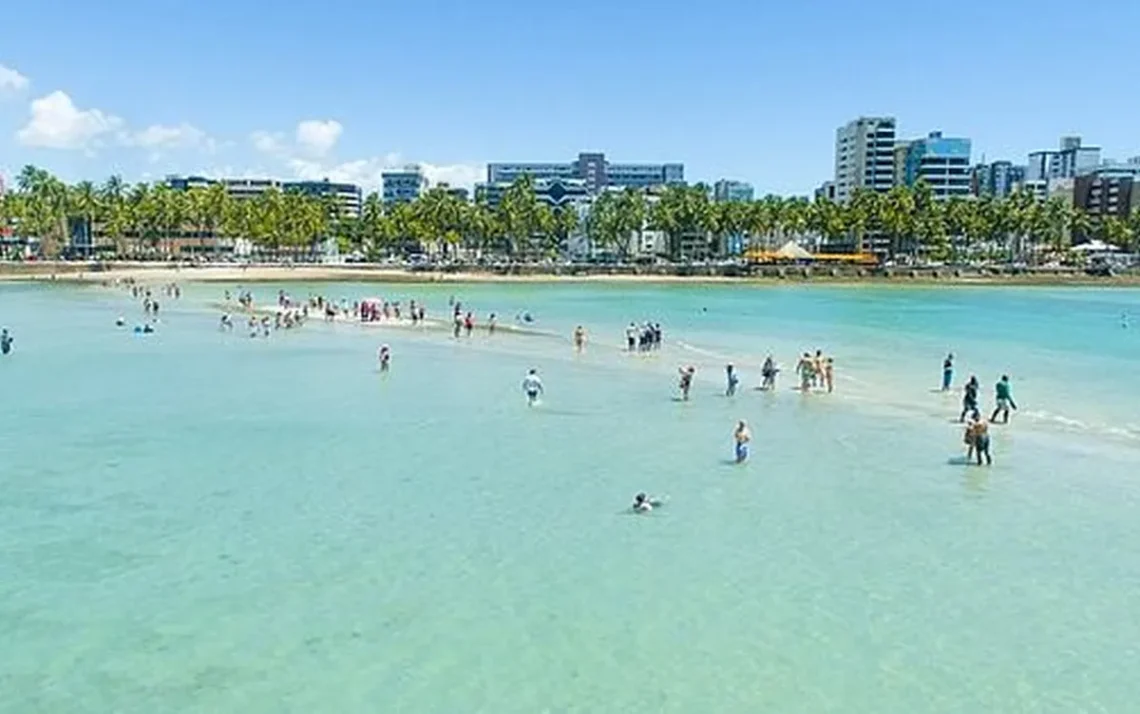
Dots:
pixel 594 170
pixel 864 156
pixel 1072 159
pixel 997 178
pixel 728 190
pixel 942 163
pixel 403 186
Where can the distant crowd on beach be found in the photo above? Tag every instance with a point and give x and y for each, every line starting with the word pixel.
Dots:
pixel 814 370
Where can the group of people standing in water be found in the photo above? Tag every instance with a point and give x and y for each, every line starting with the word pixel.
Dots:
pixel 977 434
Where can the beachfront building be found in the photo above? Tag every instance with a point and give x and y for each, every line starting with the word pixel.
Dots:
pixel 237 188
pixel 348 196
pixel 1072 159
pixel 864 156
pixel 942 163
pixel 1108 191
pixel 826 191
pixel 457 192
pixel 996 179
pixel 593 170
pixel 404 185
pixel 727 190
pixel 555 193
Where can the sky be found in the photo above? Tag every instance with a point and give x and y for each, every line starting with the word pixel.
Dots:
pixel 733 89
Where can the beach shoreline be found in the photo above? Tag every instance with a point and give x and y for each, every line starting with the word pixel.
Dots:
pixel 97 273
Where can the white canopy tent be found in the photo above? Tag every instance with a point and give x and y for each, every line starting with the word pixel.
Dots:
pixel 1095 246
pixel 793 251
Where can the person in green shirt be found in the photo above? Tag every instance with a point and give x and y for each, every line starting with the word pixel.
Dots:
pixel 1004 400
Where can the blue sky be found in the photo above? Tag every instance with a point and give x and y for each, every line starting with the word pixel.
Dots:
pixel 748 90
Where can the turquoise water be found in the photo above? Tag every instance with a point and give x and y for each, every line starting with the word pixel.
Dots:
pixel 196 521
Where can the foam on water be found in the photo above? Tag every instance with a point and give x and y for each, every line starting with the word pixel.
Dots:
pixel 196 521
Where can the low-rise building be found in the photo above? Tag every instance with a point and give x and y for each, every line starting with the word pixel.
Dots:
pixel 996 179
pixel 593 169
pixel 555 193
pixel 348 196
pixel 729 190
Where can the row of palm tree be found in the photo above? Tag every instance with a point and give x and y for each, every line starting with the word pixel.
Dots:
pixel 159 220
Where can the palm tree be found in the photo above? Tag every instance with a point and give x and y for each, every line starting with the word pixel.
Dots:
pixel 83 201
pixel 863 211
pixel 566 222
pixel 682 211
pixel 372 228
pixel 518 213
pixel 897 214
pixel 217 206
pixel 115 218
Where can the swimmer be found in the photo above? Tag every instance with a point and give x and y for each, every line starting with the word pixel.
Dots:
pixel 644 503
pixel 733 380
pixel 1004 400
pixel 120 321
pixel 947 372
pixel 385 357
pixel 686 380
pixel 741 436
pixel 532 385
pixel 579 338
pixel 6 341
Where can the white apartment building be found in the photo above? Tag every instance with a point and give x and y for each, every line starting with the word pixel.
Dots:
pixel 864 156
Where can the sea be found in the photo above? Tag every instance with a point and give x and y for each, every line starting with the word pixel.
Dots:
pixel 198 521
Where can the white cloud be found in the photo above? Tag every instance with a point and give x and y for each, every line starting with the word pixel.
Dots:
pixel 57 123
pixel 367 172
pixel 465 175
pixel 268 142
pixel 11 80
pixel 160 136
pixel 318 137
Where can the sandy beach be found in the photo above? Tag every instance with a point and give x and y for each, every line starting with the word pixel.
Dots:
pixel 254 273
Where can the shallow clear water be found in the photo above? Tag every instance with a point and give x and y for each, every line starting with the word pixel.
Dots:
pixel 198 521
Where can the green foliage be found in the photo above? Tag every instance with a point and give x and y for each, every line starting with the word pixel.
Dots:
pixel 156 220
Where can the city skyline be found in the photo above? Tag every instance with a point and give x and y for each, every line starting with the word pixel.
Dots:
pixel 316 97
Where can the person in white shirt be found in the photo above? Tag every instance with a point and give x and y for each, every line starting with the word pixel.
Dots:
pixel 532 385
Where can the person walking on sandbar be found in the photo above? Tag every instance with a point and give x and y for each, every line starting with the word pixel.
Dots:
pixel 741 436
pixel 1004 400
pixel 947 372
